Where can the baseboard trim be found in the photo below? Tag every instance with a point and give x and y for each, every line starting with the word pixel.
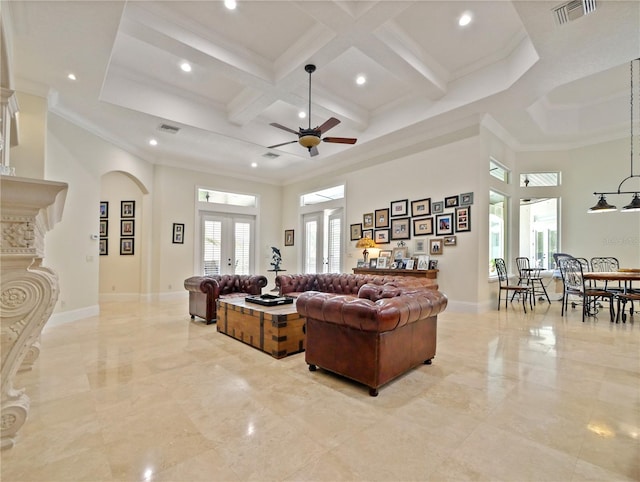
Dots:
pixel 63 317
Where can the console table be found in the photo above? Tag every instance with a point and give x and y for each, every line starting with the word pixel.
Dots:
pixel 416 273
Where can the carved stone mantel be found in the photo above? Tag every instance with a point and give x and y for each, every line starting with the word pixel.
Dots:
pixel 28 291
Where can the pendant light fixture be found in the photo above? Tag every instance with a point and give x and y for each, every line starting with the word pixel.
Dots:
pixel 602 206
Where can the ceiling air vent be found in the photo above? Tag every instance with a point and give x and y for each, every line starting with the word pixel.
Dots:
pixel 573 10
pixel 270 155
pixel 169 129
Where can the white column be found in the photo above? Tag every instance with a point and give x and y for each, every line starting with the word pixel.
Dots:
pixel 28 291
pixel 8 110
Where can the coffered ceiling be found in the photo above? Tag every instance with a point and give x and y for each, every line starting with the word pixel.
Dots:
pixel 536 83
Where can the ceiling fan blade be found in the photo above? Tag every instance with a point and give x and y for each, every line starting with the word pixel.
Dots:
pixel 340 140
pixel 313 151
pixel 328 124
pixel 282 144
pixel 280 126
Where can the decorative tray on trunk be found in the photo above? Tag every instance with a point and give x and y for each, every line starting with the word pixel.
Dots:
pixel 269 300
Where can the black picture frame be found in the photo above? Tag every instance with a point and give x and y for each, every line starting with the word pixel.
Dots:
pixel 127 227
pixel 399 208
pixel 381 236
pixel 423 226
pixel 444 224
pixel 400 228
pixel 103 246
pixel 451 201
pixel 356 231
pixel 127 209
pixel 463 219
pixel 421 207
pixel 177 233
pixel 104 209
pixel 381 218
pixel 367 221
pixel 104 228
pixel 367 233
pixel 127 246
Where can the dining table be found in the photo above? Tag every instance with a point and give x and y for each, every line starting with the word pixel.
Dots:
pixel 625 275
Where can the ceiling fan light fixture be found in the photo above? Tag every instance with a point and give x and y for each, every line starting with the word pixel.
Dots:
pixel 309 140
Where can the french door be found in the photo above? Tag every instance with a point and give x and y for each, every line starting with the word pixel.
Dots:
pixel 227 244
pixel 323 241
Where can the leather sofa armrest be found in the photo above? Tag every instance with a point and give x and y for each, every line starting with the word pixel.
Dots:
pixel 204 284
pixel 253 284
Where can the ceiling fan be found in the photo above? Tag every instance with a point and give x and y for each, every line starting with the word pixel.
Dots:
pixel 310 138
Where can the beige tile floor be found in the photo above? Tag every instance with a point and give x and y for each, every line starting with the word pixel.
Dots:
pixel 142 393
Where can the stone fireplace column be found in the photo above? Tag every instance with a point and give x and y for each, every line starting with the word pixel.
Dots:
pixel 28 291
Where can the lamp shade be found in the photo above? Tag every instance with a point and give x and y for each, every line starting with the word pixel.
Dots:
pixel 633 206
pixel 366 243
pixel 602 206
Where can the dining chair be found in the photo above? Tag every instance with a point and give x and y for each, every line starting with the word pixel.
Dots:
pixel 607 263
pixel 530 277
pixel 524 291
pixel 574 282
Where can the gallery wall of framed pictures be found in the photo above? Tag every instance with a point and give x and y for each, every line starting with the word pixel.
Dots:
pixel 127 227
pixel 405 219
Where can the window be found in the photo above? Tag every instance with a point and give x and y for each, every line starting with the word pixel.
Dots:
pixel 539 179
pixel 497 229
pixel 228 198
pixel 329 194
pixel 498 171
pixel 539 231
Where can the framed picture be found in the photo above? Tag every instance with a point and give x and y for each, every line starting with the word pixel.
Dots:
pixel 444 224
pixel 463 219
pixel 420 246
pixel 178 233
pixel 438 207
pixel 288 237
pixel 127 209
pixel 451 201
pixel 423 262
pixel 104 247
pixel 450 241
pixel 104 209
pixel 367 221
pixel 126 246
pixel 408 263
pixel 382 218
pixel 466 199
pixel 381 236
pixel 421 207
pixel 398 264
pixel 127 227
pixel 382 262
pixel 360 263
pixel 435 246
pixel 400 208
pixel 373 263
pixel 400 228
pixel 367 233
pixel 104 228
pixel 385 253
pixel 423 226
pixel 433 264
pixel 356 231
pixel 399 253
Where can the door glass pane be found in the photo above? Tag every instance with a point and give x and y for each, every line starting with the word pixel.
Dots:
pixel 211 243
pixel 539 231
pixel 242 247
pixel 497 229
pixel 334 244
pixel 311 240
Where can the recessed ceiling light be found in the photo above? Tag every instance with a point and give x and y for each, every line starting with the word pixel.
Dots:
pixel 361 79
pixel 185 66
pixel 71 76
pixel 302 114
pixel 465 19
pixel 254 164
pixel 230 4
pixel 153 142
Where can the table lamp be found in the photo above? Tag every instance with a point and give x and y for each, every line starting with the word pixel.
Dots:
pixel 366 243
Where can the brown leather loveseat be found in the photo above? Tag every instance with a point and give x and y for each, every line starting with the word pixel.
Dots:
pixel 204 292
pixel 371 329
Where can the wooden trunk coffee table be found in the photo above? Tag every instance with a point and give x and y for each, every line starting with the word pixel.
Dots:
pixel 276 330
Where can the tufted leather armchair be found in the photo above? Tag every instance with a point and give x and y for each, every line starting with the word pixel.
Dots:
pixel 368 328
pixel 204 292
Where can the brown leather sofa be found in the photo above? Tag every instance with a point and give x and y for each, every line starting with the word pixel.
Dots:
pixel 370 329
pixel 204 292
